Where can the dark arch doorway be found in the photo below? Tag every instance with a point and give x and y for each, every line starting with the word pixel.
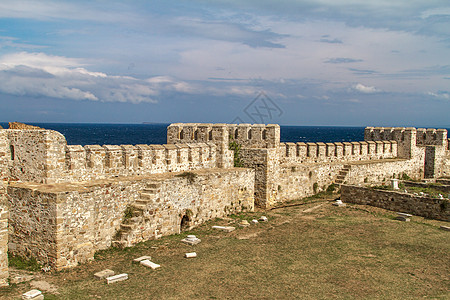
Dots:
pixel 185 223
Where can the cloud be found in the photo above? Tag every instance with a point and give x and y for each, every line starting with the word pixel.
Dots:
pixel 365 89
pixel 362 71
pixel 342 60
pixel 330 41
pixel 440 95
pixel 39 74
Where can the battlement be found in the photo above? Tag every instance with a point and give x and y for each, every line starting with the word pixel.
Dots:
pixel 247 135
pixel 44 156
pixel 421 136
pixel 329 152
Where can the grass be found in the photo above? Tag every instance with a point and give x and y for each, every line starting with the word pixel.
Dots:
pixel 329 252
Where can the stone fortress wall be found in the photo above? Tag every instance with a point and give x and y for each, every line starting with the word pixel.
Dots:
pixel 68 201
pixel 287 171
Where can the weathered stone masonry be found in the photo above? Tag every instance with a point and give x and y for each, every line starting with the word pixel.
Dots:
pixel 68 201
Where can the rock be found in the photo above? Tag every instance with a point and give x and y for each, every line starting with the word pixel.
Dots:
pixel 33 294
pixel 244 223
pixel 116 278
pixel 404 215
pixel 402 218
pixel 21 278
pixel 447 228
pixel 190 255
pixel 263 219
pixel 149 264
pixel 224 228
pixel 339 203
pixel 191 240
pixel 254 221
pixel 139 259
pixel 43 285
pixel 103 274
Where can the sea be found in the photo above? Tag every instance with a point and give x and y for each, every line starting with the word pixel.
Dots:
pixel 133 134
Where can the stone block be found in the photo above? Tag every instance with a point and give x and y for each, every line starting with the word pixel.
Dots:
pixel 139 259
pixel 254 221
pixel 191 240
pixel 446 228
pixel 190 255
pixel 263 219
pixel 103 274
pixel 224 228
pixel 404 215
pixel 149 264
pixel 402 218
pixel 33 294
pixel 116 278
pixel 244 223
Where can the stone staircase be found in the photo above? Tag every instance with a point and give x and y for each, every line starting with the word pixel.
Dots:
pixel 340 179
pixel 132 228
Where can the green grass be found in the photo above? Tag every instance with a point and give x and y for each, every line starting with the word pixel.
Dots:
pixel 352 252
pixel 21 263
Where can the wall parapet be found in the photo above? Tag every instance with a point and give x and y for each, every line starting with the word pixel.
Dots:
pixel 329 152
pixel 397 201
pixel 247 135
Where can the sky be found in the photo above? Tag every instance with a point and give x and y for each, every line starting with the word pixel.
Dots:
pixel 303 62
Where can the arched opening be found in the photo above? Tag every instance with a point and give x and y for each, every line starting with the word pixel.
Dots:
pixel 181 134
pixel 11 149
pixel 235 134
pixel 249 134
pixel 210 136
pixel 196 134
pixel 424 136
pixel 185 223
pixel 264 134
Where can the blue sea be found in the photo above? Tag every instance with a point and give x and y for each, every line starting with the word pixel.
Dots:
pixel 132 134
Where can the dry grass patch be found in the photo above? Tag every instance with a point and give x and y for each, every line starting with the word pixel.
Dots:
pixel 328 252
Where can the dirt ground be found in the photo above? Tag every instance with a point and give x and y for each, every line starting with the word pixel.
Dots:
pixel 310 251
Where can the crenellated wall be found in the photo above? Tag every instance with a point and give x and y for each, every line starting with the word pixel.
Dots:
pixel 43 156
pixel 331 152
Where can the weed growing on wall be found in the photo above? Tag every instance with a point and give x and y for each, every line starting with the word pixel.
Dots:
pixel 188 175
pixel 236 147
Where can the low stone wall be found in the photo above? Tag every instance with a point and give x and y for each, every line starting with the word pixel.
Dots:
pixel 444 188
pixel 401 202
pixel 64 224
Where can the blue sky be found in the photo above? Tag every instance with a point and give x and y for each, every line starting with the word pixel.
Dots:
pixel 321 62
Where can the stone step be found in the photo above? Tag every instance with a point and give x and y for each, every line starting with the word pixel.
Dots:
pixel 150 191
pixel 149 196
pixel 143 202
pixel 127 227
pixel 341 177
pixel 140 207
pixel 154 185
pixel 343 173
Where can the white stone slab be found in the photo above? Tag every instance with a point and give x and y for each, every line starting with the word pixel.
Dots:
pixel 402 218
pixel 244 223
pixel 191 241
pixel 116 278
pixel 139 259
pixel 254 221
pixel 149 264
pixel 224 228
pixel 404 215
pixel 103 274
pixel 447 228
pixel 33 294
pixel 190 255
pixel 263 219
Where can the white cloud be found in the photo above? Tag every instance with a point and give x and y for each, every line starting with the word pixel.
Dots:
pixel 39 74
pixel 365 89
pixel 440 95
